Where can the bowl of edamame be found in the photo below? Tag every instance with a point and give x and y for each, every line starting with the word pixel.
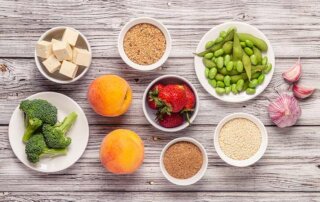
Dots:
pixel 234 62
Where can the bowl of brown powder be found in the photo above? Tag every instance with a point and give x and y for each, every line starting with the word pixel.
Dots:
pixel 240 139
pixel 183 161
pixel 144 44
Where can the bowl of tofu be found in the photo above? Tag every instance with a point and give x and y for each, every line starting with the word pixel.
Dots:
pixel 63 55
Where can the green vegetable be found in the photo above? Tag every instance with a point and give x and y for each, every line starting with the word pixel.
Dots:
pixel 223 34
pixel 206 72
pixel 240 84
pixel 227 59
pixel 31 127
pixel 253 83
pixel 264 60
pixel 227 47
pixel 255 75
pixel 212 73
pixel 218 40
pixel 253 60
pixel 223 71
pixel 212 82
pixel 249 43
pixel 269 67
pixel 228 89
pixel 55 136
pixel 220 91
pixel 218 53
pixel 220 84
pixel 208 55
pixel 239 66
pixel 261 79
pixel 243 44
pixel 245 85
pixel 36 148
pixel 250 91
pixel 237 50
pixel 236 78
pixel 229 66
pixel 258 55
pixel 208 63
pixel 247 65
pixel 209 44
pixel 220 62
pixel 219 77
pixel 258 68
pixel 259 43
pixel 234 88
pixel 227 80
pixel 248 51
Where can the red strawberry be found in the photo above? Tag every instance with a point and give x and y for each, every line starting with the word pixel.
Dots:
pixel 153 100
pixel 171 121
pixel 191 99
pixel 174 97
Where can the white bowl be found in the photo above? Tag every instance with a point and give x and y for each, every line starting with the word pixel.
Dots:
pixel 57 33
pixel 79 133
pixel 154 22
pixel 200 68
pixel 150 114
pixel 256 156
pixel 192 179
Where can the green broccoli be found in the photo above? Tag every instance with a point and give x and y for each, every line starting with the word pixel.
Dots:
pixel 36 148
pixel 55 136
pixel 36 113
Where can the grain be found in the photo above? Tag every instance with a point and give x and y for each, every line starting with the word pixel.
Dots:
pixel 239 139
pixel 144 44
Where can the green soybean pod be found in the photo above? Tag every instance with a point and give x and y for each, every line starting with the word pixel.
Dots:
pixel 223 34
pixel 227 47
pixel 243 44
pixel 220 62
pixel 218 40
pixel 253 83
pixel 258 54
pixel 255 75
pixel 250 91
pixel 235 78
pixel 264 60
pixel 213 59
pixel 208 55
pixel 218 53
pixel 245 85
pixel 259 43
pixel 233 72
pixel 253 60
pixel 261 79
pixel 228 89
pixel 239 66
pixel 209 44
pixel 267 70
pixel 212 73
pixel 258 68
pixel 229 66
pixel 206 72
pixel 201 54
pixel 212 82
pixel 240 84
pixel 227 80
pixel 220 90
pixel 248 51
pixel 208 63
pixel 220 84
pixel 247 65
pixel 234 88
pixel 223 71
pixel 227 59
pixel 219 77
pixel 237 50
pixel 249 43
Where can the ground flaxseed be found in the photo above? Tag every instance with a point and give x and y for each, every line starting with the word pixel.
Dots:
pixel 183 160
pixel 239 138
pixel 144 44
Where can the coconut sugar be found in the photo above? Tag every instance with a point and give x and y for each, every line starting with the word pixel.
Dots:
pixel 240 139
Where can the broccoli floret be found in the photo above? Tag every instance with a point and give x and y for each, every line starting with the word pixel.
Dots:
pixel 31 126
pixel 40 109
pixel 36 148
pixel 55 136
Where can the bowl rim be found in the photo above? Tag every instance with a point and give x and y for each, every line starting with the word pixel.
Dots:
pixel 196 177
pixel 40 67
pixel 200 48
pixel 185 124
pixel 154 22
pixel 253 159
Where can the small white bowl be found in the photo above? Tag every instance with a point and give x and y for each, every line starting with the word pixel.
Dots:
pixel 196 177
pixel 256 156
pixel 150 114
pixel 57 33
pixel 154 22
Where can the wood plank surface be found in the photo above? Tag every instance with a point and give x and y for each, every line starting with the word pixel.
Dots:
pixel 291 26
pixel 291 163
pixel 27 80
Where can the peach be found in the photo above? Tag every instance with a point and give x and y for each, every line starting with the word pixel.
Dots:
pixel 110 95
pixel 122 151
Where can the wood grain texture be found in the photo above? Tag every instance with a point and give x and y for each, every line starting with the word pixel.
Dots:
pixel 291 26
pixel 27 80
pixel 291 163
pixel 160 196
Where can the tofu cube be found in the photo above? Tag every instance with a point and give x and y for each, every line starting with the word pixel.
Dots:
pixel 70 36
pixel 81 57
pixel 52 64
pixel 44 49
pixel 54 41
pixel 68 69
pixel 62 50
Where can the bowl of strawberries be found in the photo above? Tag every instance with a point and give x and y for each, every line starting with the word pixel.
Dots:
pixel 170 103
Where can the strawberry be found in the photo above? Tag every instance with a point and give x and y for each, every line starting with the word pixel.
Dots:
pixel 174 97
pixel 153 100
pixel 191 99
pixel 171 121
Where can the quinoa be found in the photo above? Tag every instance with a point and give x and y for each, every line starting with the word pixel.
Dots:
pixel 240 139
pixel 144 44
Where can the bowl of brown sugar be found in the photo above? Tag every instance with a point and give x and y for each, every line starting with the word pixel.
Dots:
pixel 183 161
pixel 144 43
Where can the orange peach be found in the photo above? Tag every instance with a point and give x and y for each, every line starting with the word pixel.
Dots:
pixel 122 151
pixel 110 95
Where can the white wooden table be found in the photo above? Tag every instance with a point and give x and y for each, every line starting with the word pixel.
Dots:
pixel 290 169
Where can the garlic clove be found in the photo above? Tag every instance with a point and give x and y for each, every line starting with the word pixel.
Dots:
pixel 302 91
pixel 293 74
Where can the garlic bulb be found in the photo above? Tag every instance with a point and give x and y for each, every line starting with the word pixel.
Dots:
pixel 302 91
pixel 293 74
pixel 284 111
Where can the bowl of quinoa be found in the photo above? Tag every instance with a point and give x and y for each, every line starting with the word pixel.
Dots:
pixel 144 44
pixel 240 139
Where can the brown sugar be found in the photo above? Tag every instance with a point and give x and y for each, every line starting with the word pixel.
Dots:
pixel 144 44
pixel 183 160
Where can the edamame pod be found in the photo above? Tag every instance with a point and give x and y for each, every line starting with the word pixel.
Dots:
pixel 240 84
pixel 247 65
pixel 220 84
pixel 208 63
pixel 237 50
pixel 223 71
pixel 227 59
pixel 220 91
pixel 248 51
pixel 253 60
pixel 239 66
pixel 258 54
pixel 218 53
pixel 228 89
pixel 269 67
pixel 229 66
pixel 209 44
pixel 253 83
pixel 220 62
pixel 234 88
pixel 250 91
pixel 212 73
pixel 258 68
pixel 219 77
pixel 236 78
pixel 208 55
pixel 223 34
pixel 249 43
pixel 245 85
pixel 212 82
pixel 255 75
pixel 206 72
pixel 227 47
pixel 227 80
pixel 259 43
pixel 218 40
pixel 243 44
pixel 261 79
pixel 264 60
